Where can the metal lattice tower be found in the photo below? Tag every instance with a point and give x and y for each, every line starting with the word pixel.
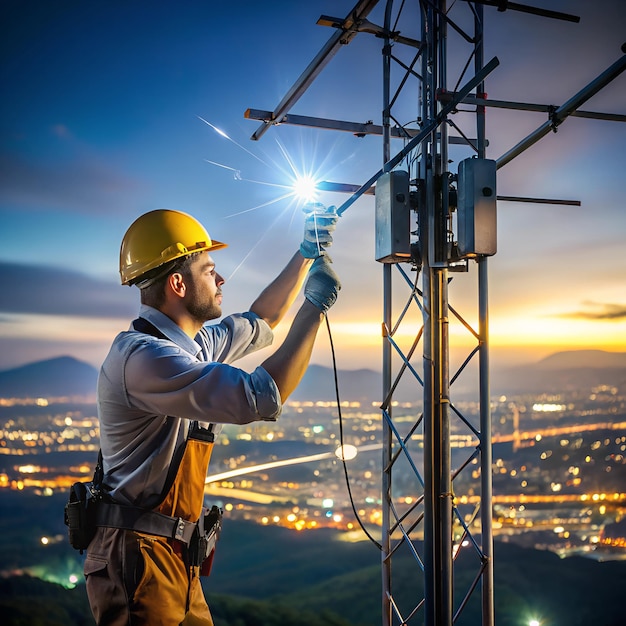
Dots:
pixel 427 520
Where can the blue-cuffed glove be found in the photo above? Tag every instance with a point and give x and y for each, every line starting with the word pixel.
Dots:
pixel 322 284
pixel 318 228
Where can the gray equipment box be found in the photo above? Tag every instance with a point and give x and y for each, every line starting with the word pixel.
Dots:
pixel 393 218
pixel 476 211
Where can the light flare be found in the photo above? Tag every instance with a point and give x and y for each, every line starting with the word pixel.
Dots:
pixel 305 188
pixel 301 181
pixel 300 186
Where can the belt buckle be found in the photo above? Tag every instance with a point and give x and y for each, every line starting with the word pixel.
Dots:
pixel 179 532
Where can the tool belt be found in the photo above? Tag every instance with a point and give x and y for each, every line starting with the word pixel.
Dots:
pixel 200 537
pixel 144 521
pixel 86 510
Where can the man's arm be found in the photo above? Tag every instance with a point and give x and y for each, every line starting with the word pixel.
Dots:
pixel 288 364
pixel 275 300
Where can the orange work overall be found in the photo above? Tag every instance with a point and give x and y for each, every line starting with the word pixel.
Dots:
pixel 137 579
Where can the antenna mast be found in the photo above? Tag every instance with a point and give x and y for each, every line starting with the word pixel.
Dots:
pixel 436 223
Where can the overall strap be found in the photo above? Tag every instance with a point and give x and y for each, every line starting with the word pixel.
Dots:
pixel 98 473
pixel 142 325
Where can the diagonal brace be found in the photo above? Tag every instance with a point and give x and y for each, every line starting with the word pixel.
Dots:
pixel 427 130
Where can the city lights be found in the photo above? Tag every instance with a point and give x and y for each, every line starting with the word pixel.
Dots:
pixel 557 463
pixel 548 407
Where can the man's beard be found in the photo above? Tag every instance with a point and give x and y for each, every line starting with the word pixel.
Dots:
pixel 204 311
pixel 201 309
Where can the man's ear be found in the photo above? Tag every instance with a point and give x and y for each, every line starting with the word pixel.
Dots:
pixel 176 282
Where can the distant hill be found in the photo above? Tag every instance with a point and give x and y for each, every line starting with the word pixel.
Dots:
pixel 562 371
pixel 559 372
pixel 318 383
pixel 576 359
pixel 58 377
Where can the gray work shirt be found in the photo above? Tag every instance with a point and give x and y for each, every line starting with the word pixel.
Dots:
pixel 150 389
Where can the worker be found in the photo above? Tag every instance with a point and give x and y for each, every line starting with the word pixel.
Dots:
pixel 164 390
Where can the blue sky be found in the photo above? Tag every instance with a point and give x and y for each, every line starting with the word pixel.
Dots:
pixel 101 122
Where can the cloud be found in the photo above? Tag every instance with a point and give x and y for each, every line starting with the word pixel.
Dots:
pixel 53 291
pixel 80 184
pixel 603 312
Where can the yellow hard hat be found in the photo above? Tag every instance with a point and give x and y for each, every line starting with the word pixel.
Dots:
pixel 159 237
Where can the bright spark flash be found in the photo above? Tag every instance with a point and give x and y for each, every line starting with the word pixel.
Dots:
pixel 301 187
pixel 301 183
pixel 285 462
pixel 305 188
pixel 298 184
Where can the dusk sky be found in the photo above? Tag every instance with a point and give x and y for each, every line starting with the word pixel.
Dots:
pixel 104 117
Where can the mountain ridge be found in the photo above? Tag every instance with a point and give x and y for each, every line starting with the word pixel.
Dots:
pixel 574 359
pixel 66 376
pixel 56 377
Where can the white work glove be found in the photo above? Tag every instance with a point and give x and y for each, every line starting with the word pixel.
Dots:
pixel 322 284
pixel 319 225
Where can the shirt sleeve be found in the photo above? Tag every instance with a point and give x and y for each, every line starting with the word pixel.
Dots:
pixel 163 379
pixel 234 337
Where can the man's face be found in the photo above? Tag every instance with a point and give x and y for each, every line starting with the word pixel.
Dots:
pixel 203 297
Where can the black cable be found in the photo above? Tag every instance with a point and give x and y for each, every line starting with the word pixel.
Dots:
pixel 345 466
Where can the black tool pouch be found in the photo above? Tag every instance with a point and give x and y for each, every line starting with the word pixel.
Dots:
pixel 80 514
pixel 80 510
pixel 202 544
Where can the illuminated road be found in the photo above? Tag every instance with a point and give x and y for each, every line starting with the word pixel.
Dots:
pixel 240 471
pixel 522 436
pixel 520 498
pixel 561 430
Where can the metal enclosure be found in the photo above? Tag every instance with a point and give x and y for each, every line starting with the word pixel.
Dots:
pixel 393 220
pixel 433 523
pixel 476 210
